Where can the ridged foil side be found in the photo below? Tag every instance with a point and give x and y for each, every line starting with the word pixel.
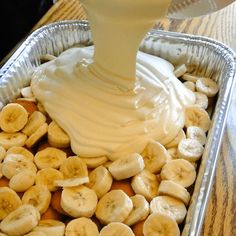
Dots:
pixel 203 56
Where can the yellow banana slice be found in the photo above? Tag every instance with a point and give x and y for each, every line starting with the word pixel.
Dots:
pixel 100 180
pixel 36 120
pixel 38 196
pixel 8 140
pixel 194 132
pixel 169 206
pixel 49 157
pixel 146 184
pixel 36 233
pixel 114 206
pixel 180 171
pixel 79 201
pixel 180 70
pixel 95 161
pixel 50 227
pixel 174 143
pixel 207 86
pixel 127 167
pixel 190 85
pixel 116 229
pixel 21 150
pixel 160 225
pixel 191 78
pixel 26 92
pixel 9 201
pixel 2 153
pixel 172 189
pixel 81 226
pixel 155 156
pixel 201 100
pixel 140 210
pixel 20 221
pixel 13 118
pixel 57 136
pixel 47 177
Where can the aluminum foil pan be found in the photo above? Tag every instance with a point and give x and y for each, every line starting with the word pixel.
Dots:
pixel 202 55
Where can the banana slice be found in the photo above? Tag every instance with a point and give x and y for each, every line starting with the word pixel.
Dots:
pixel 100 180
pixel 21 150
pixel 81 226
pixel 50 227
pixel 160 224
pixel 172 189
pixel 190 85
pixel 36 233
pixel 180 171
pixel 26 92
pixel 155 156
pixel 8 140
pixel 127 167
pixel 116 229
pixel 47 177
pixel 169 206
pixel 146 184
pixel 1 175
pixel 15 163
pixel 173 153
pixel 20 221
pixel 2 153
pixel 207 86
pixel 57 136
pixel 174 143
pixel 140 210
pixel 191 78
pixel 1 234
pixel 37 135
pixel 114 206
pixel 38 196
pixel 197 116
pixel 13 118
pixel 9 201
pixel 22 181
pixel 49 157
pixel 190 149
pixel 95 161
pixel 201 100
pixel 180 70
pixel 194 132
pixel 36 120
pixel 79 201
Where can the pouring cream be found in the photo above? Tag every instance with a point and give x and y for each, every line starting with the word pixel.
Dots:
pixel 110 98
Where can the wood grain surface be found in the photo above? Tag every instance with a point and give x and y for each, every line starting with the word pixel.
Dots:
pixel 220 217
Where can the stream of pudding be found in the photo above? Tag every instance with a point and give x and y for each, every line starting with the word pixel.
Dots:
pixel 110 98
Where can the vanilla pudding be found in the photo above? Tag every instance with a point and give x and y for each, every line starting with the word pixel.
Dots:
pixel 109 98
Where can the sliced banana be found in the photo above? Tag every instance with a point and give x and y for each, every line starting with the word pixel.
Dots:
pixel 160 225
pixel 207 86
pixel 15 163
pixel 37 135
pixel 21 150
pixel 9 201
pixel 13 118
pixel 26 92
pixel 2 153
pixel 39 196
pixel 36 120
pixel 172 189
pixel 47 177
pixel 114 206
pixel 197 116
pixel 190 149
pixel 100 180
pixel 190 85
pixel 155 156
pixel 174 143
pixel 169 206
pixel 140 210
pixel 201 100
pixel 79 201
pixel 191 78
pixel 22 181
pixel 8 140
pixel 146 184
pixel 57 136
pixel 116 229
pixel 20 221
pixel 180 70
pixel 194 132
pixel 95 161
pixel 35 233
pixel 49 157
pixel 50 227
pixel 173 153
pixel 180 171
pixel 81 226
pixel 127 167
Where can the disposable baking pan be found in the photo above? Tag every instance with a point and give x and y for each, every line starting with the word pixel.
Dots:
pixel 204 57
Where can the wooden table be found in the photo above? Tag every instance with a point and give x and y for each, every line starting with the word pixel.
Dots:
pixel 220 218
